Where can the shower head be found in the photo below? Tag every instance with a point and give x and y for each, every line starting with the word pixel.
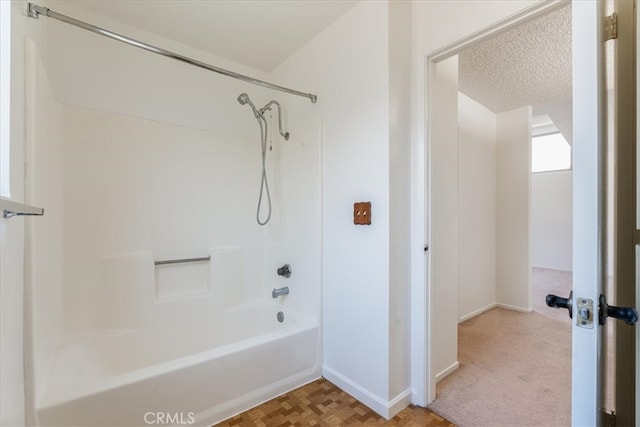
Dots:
pixel 243 98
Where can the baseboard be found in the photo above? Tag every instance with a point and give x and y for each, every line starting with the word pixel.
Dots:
pixel 514 308
pixel 398 403
pixel 477 312
pixel 564 270
pixel 387 409
pixel 455 365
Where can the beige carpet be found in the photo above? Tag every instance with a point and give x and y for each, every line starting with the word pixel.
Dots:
pixel 515 370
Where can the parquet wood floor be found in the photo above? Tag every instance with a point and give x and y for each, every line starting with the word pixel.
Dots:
pixel 320 403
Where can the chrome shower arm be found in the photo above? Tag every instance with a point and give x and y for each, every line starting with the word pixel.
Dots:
pixel 267 107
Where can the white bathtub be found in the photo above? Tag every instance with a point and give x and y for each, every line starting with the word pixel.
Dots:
pixel 165 377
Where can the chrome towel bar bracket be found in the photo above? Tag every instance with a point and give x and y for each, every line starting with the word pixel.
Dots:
pixel 11 209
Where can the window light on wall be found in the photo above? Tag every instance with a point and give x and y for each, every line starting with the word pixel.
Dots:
pixel 550 153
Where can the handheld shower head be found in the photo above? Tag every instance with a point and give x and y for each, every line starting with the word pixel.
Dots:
pixel 243 98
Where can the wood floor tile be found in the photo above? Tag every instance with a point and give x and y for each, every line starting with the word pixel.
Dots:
pixel 322 404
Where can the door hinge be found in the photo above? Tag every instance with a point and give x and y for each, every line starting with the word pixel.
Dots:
pixel 609 418
pixel 611 27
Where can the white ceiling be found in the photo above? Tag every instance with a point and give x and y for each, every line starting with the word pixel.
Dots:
pixel 528 65
pixel 257 33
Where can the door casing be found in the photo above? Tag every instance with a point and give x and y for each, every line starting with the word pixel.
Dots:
pixel 423 377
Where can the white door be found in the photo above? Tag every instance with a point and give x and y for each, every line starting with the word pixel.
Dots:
pixel 588 212
pixel 589 217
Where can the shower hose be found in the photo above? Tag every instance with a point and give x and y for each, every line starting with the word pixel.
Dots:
pixel 264 183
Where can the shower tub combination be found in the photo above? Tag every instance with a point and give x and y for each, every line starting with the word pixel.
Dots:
pixel 189 341
pixel 234 361
pixel 181 346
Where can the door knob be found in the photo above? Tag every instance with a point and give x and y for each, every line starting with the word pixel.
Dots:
pixel 627 314
pixel 555 301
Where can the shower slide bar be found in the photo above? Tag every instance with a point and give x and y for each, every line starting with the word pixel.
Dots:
pixel 34 11
pixel 182 261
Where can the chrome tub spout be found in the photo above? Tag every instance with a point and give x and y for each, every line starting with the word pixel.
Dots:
pixel 280 292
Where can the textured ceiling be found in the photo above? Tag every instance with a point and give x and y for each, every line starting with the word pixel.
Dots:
pixel 257 33
pixel 528 65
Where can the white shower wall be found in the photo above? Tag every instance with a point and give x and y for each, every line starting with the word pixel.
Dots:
pixel 137 189
pixel 142 158
pixel 293 236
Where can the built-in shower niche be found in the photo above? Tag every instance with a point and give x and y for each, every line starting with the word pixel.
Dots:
pixel 183 279
pixel 129 284
pixel 220 277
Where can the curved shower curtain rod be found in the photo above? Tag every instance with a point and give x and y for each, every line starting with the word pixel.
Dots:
pixel 34 11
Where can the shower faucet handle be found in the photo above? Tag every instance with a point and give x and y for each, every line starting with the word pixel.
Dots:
pixel 285 271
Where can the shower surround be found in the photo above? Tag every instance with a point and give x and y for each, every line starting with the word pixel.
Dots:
pixel 151 167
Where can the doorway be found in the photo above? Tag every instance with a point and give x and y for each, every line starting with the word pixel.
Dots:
pixel 487 95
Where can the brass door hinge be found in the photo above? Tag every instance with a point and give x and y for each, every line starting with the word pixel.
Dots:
pixel 611 27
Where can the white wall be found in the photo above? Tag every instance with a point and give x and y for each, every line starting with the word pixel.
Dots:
pixel 552 220
pixel 360 89
pixel 513 163
pixel 477 207
pixel 353 103
pixel 399 197
pixel 444 245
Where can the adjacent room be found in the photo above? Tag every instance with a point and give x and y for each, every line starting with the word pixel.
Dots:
pixel 508 160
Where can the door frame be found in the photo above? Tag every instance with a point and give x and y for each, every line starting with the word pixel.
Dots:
pixel 625 213
pixel 422 375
